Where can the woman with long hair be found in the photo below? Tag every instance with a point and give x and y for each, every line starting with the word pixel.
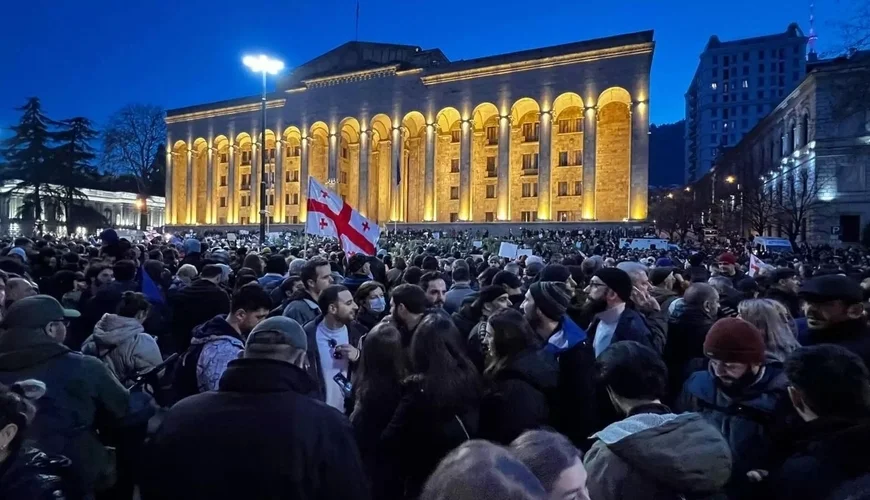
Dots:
pixel 372 302
pixel 521 378
pixel 555 461
pixel 440 403
pixel 775 322
pixel 377 389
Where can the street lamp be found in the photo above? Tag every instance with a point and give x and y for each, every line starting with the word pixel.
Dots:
pixel 730 179
pixel 264 65
pixel 671 195
pixel 688 189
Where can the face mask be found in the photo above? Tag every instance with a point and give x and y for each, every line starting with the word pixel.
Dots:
pixel 378 304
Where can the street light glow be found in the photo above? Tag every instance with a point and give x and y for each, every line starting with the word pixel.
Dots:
pixel 263 64
pixel 671 195
pixel 688 189
pixel 730 179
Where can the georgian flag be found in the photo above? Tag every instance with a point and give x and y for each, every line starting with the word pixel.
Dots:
pixel 332 217
pixel 755 265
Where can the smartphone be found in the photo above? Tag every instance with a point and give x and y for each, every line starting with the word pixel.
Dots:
pixel 343 383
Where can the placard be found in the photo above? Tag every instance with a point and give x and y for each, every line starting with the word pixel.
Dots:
pixel 524 251
pixel 477 244
pixel 231 237
pixel 508 250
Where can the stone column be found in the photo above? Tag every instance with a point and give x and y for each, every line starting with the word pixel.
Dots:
pixel 170 219
pixel 395 162
pixel 209 188
pixel 504 168
pixel 189 187
pixel 365 145
pixel 303 179
pixel 544 165
pixel 332 171
pixel 254 187
pixel 639 160
pixel 231 185
pixel 590 122
pixel 278 185
pixel 465 171
pixel 429 175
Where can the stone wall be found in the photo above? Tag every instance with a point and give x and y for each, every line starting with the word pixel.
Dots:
pixel 612 162
pixel 566 142
pixel 445 151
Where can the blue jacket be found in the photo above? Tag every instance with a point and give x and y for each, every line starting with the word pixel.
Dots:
pixel 747 421
pixel 569 331
pixel 270 281
pixel 631 326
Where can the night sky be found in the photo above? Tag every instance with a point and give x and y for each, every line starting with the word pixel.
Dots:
pixel 90 57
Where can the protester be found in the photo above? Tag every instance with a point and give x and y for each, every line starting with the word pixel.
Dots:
pixel 609 295
pixel 434 286
pixel 82 396
pixel 120 341
pixel 491 299
pixel 407 308
pixel 481 470
pixel 17 289
pixel 522 379
pixel 555 461
pixel 663 280
pixel 742 394
pixel 835 314
pixel 783 287
pixel 358 272
pixel 460 289
pixel 371 299
pixel 260 425
pixel 195 304
pixel 218 341
pixel 687 329
pixel 333 338
pixel 316 276
pixel 728 266
pixel 440 405
pixel 772 319
pixel 651 450
pixel 276 271
pixel 513 285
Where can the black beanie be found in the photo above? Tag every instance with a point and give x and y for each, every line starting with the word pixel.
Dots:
pixel 551 297
pixel 554 272
pixel 617 280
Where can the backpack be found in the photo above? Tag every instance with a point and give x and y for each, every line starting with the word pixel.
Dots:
pixel 184 381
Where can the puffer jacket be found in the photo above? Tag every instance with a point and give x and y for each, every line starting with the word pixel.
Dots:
pixel 658 456
pixel 123 346
pixel 30 474
pixel 218 344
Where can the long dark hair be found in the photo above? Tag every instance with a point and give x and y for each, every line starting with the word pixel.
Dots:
pixel 511 335
pixel 448 377
pixel 383 363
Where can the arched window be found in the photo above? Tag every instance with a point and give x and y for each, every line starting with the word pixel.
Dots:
pixel 792 134
pixel 805 129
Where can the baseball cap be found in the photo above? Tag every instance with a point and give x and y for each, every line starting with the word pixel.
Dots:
pixel 37 311
pixel 278 330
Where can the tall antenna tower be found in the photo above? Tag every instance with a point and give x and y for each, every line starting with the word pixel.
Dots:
pixel 811 40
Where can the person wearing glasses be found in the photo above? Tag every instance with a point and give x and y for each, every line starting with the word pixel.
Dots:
pixel 79 388
pixel 743 393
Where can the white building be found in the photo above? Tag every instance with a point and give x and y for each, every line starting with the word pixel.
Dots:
pixel 737 83
pixel 120 209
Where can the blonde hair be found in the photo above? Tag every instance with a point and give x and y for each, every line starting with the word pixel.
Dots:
pixel 774 321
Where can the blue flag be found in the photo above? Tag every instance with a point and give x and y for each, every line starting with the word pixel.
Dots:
pixel 149 288
pixel 399 170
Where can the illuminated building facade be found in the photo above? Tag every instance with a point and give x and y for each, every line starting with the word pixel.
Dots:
pixel 404 134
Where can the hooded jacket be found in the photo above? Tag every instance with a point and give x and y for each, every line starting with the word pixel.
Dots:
pixel 651 456
pixel 123 346
pixel 519 396
pixel 193 305
pixel 82 396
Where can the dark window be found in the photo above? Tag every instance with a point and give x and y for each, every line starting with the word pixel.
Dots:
pixel 563 158
pixel 492 135
pixel 577 157
pixel 489 217
pixel 745 56
pixel 223 181
pixel 455 135
pixel 529 216
pixel 344 153
pixel 454 217
pixel 223 203
pixel 454 192
pixel 490 167
pixel 224 157
pixel 563 216
pixel 530 132
pixel 563 188
pixel 490 191
pixel 454 165
pixel 850 228
pixel 578 188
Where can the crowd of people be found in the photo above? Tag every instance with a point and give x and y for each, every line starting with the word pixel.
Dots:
pixel 210 366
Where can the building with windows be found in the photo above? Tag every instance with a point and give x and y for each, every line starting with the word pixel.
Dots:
pixel 809 158
pixel 118 209
pixel 735 85
pixel 404 134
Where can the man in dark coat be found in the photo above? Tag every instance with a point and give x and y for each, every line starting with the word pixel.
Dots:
pixel 615 320
pixel 835 314
pixel 693 316
pixel 106 300
pixel 260 435
pixel 358 272
pixel 195 304
pixel 784 288
pixel 833 444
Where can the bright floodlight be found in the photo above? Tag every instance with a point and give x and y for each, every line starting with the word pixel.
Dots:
pixel 263 64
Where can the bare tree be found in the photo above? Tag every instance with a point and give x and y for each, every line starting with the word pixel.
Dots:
pixel 674 211
pixel 801 197
pixel 131 142
pixel 852 90
pixel 759 209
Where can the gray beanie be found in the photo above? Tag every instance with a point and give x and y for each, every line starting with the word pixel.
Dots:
pixel 278 330
pixel 551 297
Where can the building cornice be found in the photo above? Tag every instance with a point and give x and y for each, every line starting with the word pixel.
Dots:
pixel 229 110
pixel 543 63
pixel 353 76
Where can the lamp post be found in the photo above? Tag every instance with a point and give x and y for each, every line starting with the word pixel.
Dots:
pixel 264 65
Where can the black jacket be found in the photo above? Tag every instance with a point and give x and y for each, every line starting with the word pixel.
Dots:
pixel 789 300
pixel 419 435
pixel 686 333
pixel 105 300
pixel 575 411
pixel 355 331
pixel 631 325
pixel 828 453
pixel 259 436
pixel 519 397
pixel 371 415
pixel 854 335
pixel 29 474
pixel 193 305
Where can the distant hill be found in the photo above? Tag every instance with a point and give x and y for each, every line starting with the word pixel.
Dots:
pixel 667 161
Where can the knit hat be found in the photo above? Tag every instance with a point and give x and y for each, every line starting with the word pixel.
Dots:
pixel 734 340
pixel 507 278
pixel 617 280
pixel 554 272
pixel 490 293
pixel 664 262
pixel 551 298
pixel 658 275
pixel 19 252
pixel 278 330
pixel 727 258
pixel 192 245
pixel 533 268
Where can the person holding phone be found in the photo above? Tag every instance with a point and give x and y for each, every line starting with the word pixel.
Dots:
pixel 332 340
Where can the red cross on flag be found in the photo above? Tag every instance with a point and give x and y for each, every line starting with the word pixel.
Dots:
pixel 332 217
pixel 755 265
